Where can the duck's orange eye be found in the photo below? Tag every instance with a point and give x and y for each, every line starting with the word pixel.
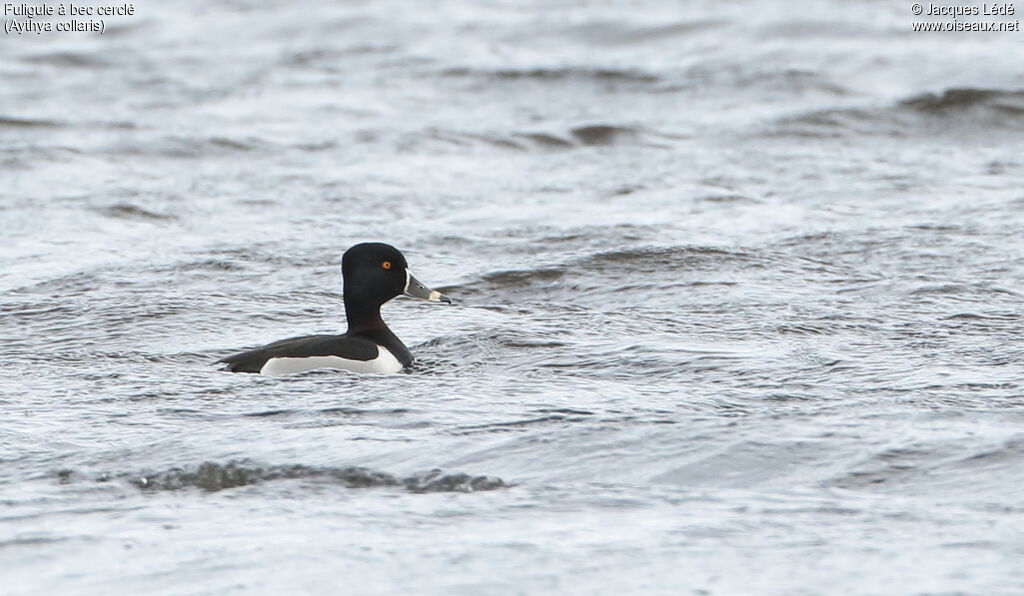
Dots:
pixel 386 264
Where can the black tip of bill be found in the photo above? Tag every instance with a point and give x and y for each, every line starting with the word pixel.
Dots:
pixel 414 288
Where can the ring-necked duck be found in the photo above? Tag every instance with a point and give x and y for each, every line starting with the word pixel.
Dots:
pixel 374 273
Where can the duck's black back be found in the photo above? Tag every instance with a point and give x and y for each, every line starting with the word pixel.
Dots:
pixel 351 346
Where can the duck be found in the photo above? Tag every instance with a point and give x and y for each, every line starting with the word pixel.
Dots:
pixel 373 273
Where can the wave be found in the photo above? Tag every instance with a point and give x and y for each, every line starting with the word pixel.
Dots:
pixel 212 477
pixel 913 469
pixel 572 137
pixel 960 99
pixel 135 212
pixel 959 111
pixel 558 74
pixel 13 122
pixel 188 147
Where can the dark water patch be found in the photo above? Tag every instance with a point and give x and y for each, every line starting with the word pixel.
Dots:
pixel 532 343
pixel 518 279
pixel 633 260
pixel 603 134
pixel 435 138
pixel 587 135
pixel 520 424
pixel 271 413
pixel 970 316
pixel 115 125
pixel 1000 167
pixel 959 100
pixel 955 228
pixel 212 477
pixel 627 189
pixel 963 113
pixel 233 144
pixel 558 75
pixel 1011 451
pixel 839 122
pixel 700 284
pixel 133 212
pixel 69 60
pixel 568 411
pixel 804 328
pixel 316 147
pixel 14 122
pixel 897 465
pixel 465 139
pixel 545 140
pixel 205 265
pixel 187 147
pixel 352 412
pixel 32 541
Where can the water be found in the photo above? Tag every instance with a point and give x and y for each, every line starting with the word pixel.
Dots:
pixel 740 300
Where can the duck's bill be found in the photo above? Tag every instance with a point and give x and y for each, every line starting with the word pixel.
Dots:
pixel 414 288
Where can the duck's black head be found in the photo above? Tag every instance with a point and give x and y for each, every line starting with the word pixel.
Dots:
pixel 374 273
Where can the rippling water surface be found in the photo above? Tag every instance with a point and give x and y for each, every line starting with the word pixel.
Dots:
pixel 740 300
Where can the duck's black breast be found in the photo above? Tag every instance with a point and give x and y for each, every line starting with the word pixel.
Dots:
pixel 343 346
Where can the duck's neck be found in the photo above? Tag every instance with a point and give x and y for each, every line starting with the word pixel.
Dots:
pixel 362 316
pixel 364 321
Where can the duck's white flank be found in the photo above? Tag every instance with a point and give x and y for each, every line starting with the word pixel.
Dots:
pixel 385 362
